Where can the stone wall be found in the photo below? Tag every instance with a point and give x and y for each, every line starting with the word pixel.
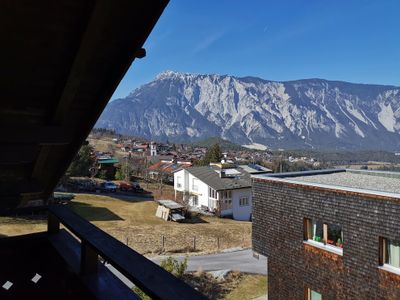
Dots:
pixel 279 209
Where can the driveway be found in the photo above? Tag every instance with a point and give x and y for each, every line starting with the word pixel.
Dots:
pixel 241 260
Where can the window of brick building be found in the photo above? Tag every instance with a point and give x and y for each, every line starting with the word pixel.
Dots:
pixel 323 234
pixel 312 295
pixel 389 253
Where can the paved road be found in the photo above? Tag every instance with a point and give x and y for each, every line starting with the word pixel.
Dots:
pixel 242 260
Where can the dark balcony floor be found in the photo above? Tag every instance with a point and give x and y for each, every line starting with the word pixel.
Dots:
pixel 70 269
pixel 21 258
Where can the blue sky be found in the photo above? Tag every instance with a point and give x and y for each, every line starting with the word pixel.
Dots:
pixel 352 40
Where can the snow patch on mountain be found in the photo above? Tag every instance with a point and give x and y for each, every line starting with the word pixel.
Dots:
pixel 256 146
pixel 386 117
pixel 354 112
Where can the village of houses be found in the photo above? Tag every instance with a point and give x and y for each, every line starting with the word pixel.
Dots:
pixel 162 198
pixel 221 188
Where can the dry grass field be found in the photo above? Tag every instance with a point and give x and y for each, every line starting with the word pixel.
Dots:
pixel 372 165
pixel 10 226
pixel 134 222
pixel 249 287
pixel 235 286
pixel 104 144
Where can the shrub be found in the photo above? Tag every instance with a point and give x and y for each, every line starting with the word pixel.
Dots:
pixel 171 265
pixel 174 266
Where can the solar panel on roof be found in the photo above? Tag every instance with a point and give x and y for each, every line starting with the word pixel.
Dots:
pixel 231 172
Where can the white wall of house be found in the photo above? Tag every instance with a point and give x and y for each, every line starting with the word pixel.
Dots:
pixel 199 189
pixel 186 182
pixel 179 180
pixel 242 213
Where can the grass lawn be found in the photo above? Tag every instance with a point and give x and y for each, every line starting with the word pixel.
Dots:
pixel 235 286
pixel 10 226
pixel 134 222
pixel 250 287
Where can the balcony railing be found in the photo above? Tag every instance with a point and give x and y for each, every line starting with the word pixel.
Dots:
pixel 84 256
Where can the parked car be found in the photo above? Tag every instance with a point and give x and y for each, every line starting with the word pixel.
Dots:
pixel 108 187
pixel 62 198
pixel 136 187
pixel 87 186
pixel 125 186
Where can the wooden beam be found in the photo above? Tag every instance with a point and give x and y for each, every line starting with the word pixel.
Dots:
pixel 77 74
pixel 140 53
pixel 382 251
pixel 18 154
pixel 23 187
pixel 89 259
pixel 41 135
pixel 152 279
pixel 306 229
pixel 124 27
pixel 307 293
pixel 104 285
pixel 39 170
pixel 325 233
pixel 53 223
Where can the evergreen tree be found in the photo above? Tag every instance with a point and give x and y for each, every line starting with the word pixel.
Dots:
pixel 82 162
pixel 124 172
pixel 119 175
pixel 213 155
pixel 103 175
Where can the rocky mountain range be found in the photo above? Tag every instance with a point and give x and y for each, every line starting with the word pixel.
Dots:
pixel 309 113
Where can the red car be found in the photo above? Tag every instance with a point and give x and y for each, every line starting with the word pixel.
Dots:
pixel 125 186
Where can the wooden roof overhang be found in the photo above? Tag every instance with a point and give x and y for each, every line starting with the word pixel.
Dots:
pixel 60 63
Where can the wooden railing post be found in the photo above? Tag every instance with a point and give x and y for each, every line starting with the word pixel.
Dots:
pixel 150 278
pixel 89 259
pixel 53 223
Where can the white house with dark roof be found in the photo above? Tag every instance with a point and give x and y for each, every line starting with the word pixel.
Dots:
pixel 221 189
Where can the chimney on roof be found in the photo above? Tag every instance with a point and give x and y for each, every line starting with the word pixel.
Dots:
pixel 222 173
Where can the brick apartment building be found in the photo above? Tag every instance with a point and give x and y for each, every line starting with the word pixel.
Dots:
pixel 332 234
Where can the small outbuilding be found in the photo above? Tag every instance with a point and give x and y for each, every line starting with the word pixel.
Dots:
pixel 170 210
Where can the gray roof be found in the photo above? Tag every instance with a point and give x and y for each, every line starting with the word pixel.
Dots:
pixel 209 176
pixel 375 181
pixel 357 180
pixel 255 169
pixel 170 204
